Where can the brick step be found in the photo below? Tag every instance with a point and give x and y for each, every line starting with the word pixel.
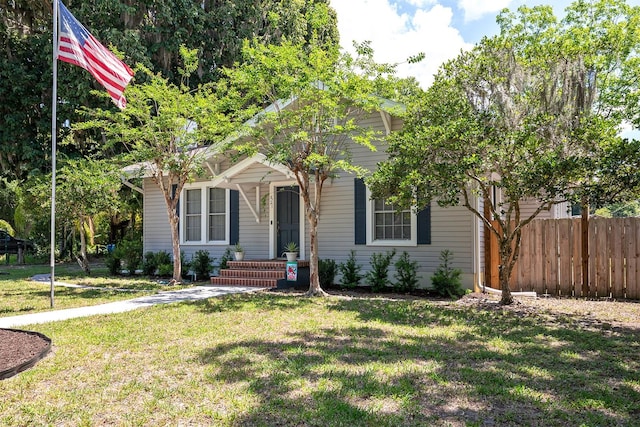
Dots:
pixel 256 274
pixel 275 264
pixel 244 281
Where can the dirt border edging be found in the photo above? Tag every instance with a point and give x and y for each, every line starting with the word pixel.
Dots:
pixel 8 373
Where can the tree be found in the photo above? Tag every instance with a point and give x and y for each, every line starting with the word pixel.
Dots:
pixel 143 31
pixel 146 31
pixel 169 130
pixel 318 94
pixel 85 189
pixel 529 113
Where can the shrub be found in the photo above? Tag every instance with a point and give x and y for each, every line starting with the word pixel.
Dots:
pixel 184 265
pixel 202 263
pixel 327 269
pixel 446 280
pixel 165 270
pixel 225 258
pixel 149 265
pixel 164 264
pixel 378 276
pixel 129 251
pixel 163 257
pixel 112 262
pixel 406 274
pixel 350 271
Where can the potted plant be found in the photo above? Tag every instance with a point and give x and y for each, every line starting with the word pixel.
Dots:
pixel 238 252
pixel 291 251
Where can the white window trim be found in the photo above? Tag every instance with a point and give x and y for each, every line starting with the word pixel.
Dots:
pixel 204 216
pixel 370 228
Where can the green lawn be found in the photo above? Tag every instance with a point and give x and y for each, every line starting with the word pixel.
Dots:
pixel 19 295
pixel 273 359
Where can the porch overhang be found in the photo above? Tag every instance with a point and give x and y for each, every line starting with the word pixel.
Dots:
pixel 231 178
pixel 228 178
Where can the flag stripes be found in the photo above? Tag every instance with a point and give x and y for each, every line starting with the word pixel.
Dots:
pixel 77 46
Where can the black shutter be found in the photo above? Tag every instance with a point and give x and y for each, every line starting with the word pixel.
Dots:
pixel 234 217
pixel 360 210
pixel 424 226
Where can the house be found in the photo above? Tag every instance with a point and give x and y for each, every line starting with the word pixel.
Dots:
pixel 257 203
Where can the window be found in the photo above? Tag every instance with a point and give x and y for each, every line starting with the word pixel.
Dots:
pixel 205 215
pixel 390 224
pixel 387 226
pixel 217 214
pixel 377 223
pixel 193 215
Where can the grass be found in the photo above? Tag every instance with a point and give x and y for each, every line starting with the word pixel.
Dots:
pixel 274 359
pixel 20 295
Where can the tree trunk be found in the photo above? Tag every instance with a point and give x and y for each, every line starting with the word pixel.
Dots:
pixel 92 231
pixel 83 259
pixel 175 242
pixel 314 278
pixel 313 212
pixel 504 271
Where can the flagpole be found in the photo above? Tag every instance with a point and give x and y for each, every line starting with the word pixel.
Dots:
pixel 54 113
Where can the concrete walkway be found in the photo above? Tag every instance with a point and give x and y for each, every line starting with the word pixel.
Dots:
pixel 189 294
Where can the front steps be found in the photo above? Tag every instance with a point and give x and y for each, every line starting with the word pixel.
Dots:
pixel 258 273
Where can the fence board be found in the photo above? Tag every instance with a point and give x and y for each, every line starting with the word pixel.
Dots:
pixel 633 285
pixel 551 251
pixel 615 237
pixel 577 257
pixel 629 252
pixel 550 258
pixel 527 277
pixel 565 279
pixel 538 262
pixel 597 253
pixel 594 257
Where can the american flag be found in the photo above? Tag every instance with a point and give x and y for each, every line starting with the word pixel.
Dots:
pixel 77 46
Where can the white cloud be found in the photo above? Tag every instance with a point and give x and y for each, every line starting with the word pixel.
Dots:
pixel 421 3
pixel 396 36
pixel 476 9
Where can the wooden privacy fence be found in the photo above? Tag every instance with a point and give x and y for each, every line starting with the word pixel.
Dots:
pixel 550 259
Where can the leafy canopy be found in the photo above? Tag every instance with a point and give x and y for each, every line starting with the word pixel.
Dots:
pixel 530 115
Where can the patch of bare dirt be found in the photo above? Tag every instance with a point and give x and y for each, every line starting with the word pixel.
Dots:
pixel 604 312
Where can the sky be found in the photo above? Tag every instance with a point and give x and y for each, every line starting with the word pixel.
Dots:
pixel 399 29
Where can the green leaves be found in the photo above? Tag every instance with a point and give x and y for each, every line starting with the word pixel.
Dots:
pixel 318 95
pixel 528 116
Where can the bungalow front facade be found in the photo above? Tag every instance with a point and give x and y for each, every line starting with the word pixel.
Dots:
pixel 256 203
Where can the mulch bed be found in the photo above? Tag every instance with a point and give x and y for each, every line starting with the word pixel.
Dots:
pixel 20 350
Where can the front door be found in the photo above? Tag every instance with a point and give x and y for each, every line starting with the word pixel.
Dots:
pixel 287 217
